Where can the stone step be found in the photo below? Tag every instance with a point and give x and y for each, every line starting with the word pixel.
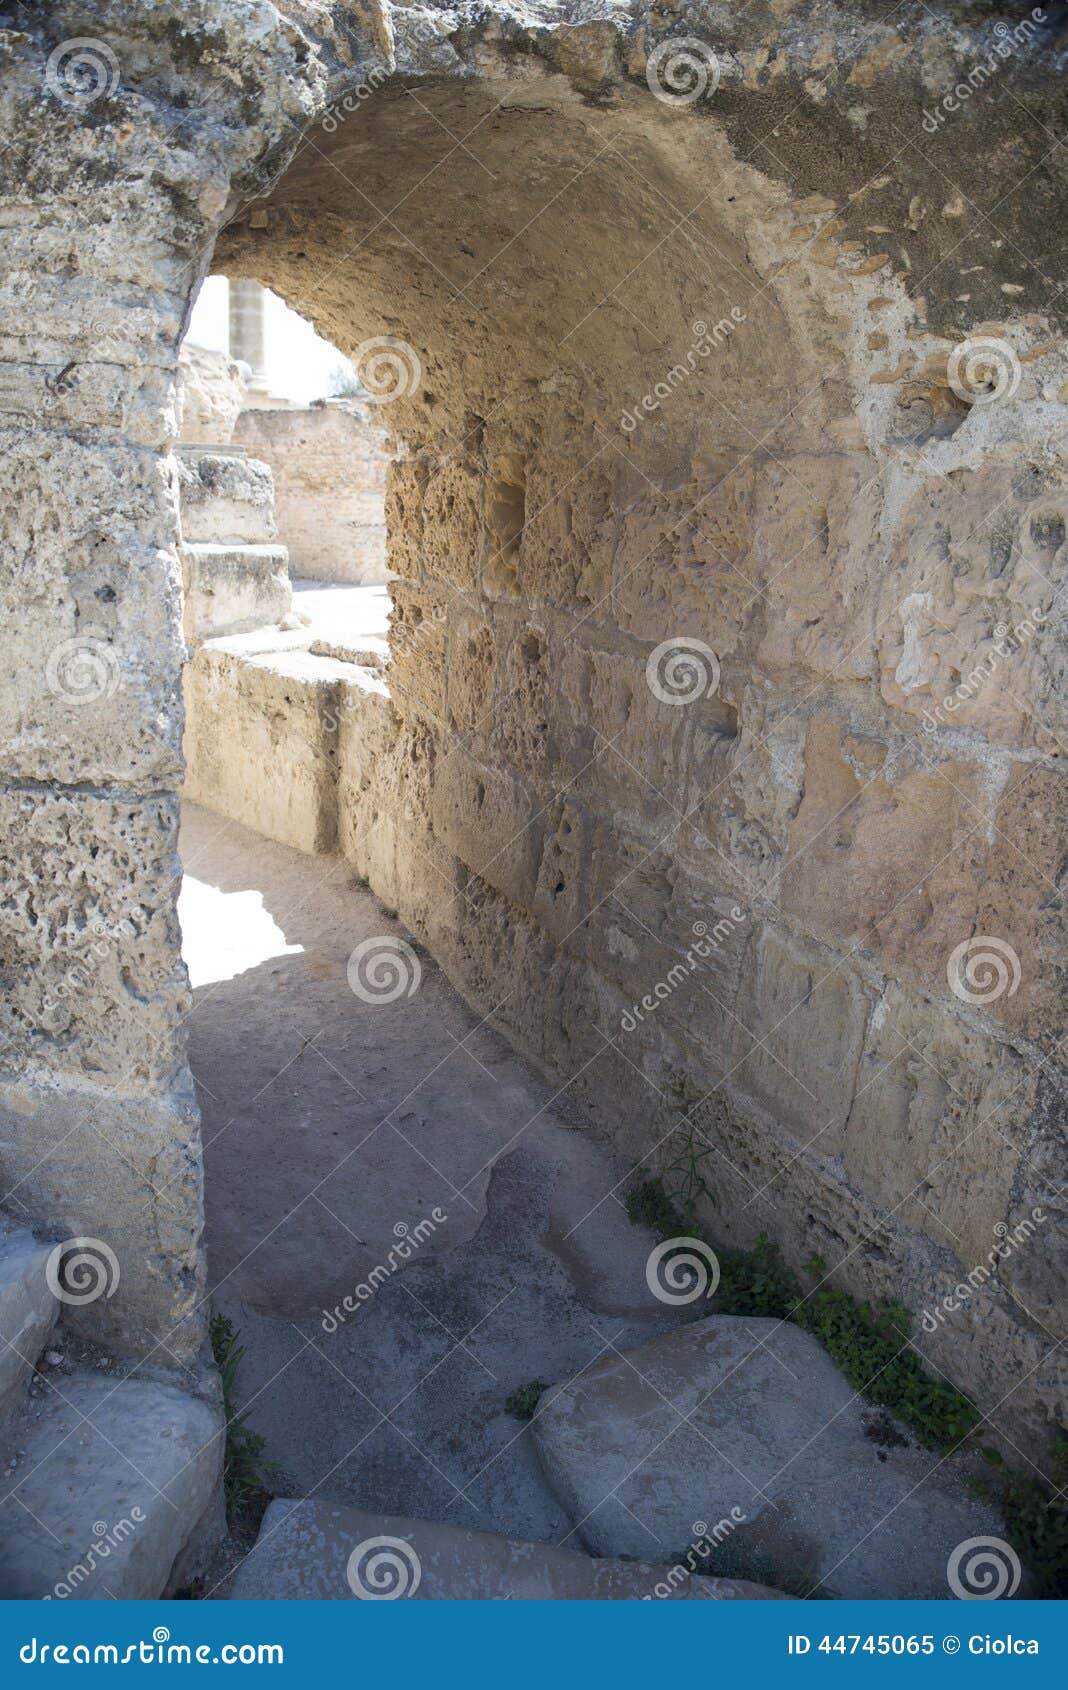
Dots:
pixel 325 1551
pixel 225 498
pixel 233 589
pixel 747 1424
pixel 109 1481
pixel 28 1311
pixel 264 721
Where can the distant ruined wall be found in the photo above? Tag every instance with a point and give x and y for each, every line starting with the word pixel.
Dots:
pixel 329 463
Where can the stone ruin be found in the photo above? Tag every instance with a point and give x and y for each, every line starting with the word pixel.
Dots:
pixel 720 351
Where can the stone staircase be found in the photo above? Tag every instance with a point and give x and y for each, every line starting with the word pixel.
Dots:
pixel 108 1483
pixel 272 701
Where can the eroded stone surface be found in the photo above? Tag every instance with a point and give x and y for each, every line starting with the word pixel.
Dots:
pixel 752 1416
pixel 316 1551
pixel 140 1458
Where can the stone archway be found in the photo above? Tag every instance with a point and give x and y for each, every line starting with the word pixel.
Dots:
pixel 672 395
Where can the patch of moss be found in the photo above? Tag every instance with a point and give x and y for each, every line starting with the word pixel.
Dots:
pixel 523 1403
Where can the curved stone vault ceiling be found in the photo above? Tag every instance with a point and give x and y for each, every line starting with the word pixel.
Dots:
pixel 804 492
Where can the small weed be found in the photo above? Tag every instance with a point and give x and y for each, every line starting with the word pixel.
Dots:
pixel 870 1345
pixel 245 1467
pixel 523 1403
pixel 390 915
pixel 1037 1524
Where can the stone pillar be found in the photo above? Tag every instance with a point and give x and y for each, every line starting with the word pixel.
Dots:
pixel 248 330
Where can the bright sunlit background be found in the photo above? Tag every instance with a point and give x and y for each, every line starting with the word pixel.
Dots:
pixel 300 364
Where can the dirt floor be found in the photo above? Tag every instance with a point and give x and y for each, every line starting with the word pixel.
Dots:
pixel 338 1131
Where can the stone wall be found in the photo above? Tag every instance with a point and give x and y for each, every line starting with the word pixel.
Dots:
pixel 109 225
pixel 329 463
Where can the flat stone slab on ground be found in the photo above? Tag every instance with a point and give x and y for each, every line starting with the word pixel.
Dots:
pixel 113 1478
pixel 322 1551
pixel 27 1310
pixel 753 1416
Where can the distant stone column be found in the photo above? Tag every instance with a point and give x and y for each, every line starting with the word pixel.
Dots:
pixel 247 330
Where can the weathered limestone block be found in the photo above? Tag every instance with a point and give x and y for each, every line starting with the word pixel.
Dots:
pixel 28 1312
pixel 321 1551
pixel 90 601
pixel 225 499
pixel 233 589
pixel 568 538
pixel 472 660
pixel 522 734
pixel 453 534
pixel 799 1027
pixel 489 820
pixel 1021 903
pixel 329 463
pixel 936 1128
pixel 562 899
pixel 211 392
pixel 749 1422
pixel 970 628
pixel 109 401
pixel 122 1168
pixel 262 735
pixel 887 850
pixel 815 557
pixel 142 1457
pixel 94 982
pixel 418 641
